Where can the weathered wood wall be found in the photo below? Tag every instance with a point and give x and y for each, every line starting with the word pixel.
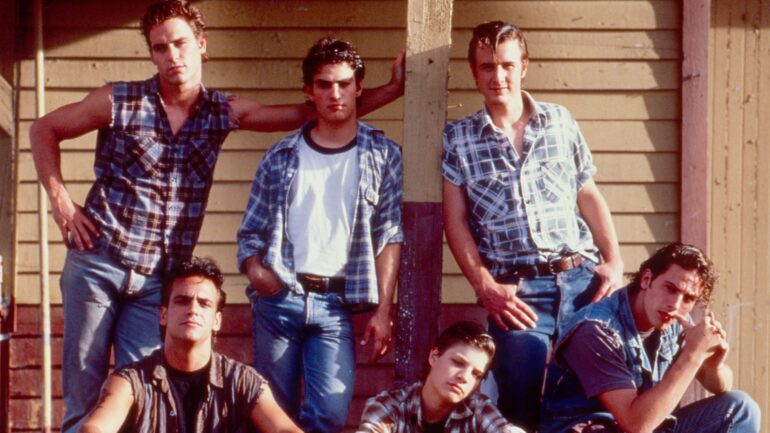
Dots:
pixel 740 183
pixel 615 65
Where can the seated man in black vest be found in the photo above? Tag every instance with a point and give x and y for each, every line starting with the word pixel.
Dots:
pixel 185 386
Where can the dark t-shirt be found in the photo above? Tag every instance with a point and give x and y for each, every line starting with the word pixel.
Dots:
pixel 598 359
pixel 433 427
pixel 188 388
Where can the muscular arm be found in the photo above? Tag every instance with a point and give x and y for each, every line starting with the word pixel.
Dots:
pixel 379 326
pixel 268 417
pixel 254 116
pixel 643 412
pixel 45 135
pixel 113 407
pixel 596 213
pixel 499 299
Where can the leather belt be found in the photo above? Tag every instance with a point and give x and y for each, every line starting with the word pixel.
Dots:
pixel 553 267
pixel 319 284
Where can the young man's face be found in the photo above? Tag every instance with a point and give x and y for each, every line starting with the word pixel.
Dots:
pixel 499 75
pixel 455 373
pixel 191 315
pixel 334 91
pixel 177 52
pixel 675 291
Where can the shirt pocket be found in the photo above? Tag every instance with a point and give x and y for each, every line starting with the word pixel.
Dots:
pixel 490 196
pixel 141 155
pixel 200 158
pixel 556 180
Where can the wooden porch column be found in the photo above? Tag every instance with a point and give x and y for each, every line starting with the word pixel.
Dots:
pixel 429 25
pixel 696 153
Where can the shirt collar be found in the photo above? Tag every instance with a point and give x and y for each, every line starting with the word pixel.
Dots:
pixel 460 411
pixel 364 130
pixel 484 120
pixel 204 97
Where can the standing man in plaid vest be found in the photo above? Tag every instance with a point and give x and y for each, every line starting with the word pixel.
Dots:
pixel 157 146
pixel 523 217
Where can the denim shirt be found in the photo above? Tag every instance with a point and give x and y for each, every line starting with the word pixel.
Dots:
pixel 564 401
pixel 152 185
pixel 522 209
pixel 376 219
pixel 232 391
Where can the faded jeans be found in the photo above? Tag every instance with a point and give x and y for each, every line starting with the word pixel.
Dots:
pixel 519 364
pixel 306 340
pixel 104 304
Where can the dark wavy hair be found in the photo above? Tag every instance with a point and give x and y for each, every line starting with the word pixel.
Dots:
pixel 195 267
pixel 688 257
pixel 161 11
pixel 331 51
pixel 491 34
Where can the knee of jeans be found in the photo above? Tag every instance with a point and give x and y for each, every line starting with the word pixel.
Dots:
pixel 745 408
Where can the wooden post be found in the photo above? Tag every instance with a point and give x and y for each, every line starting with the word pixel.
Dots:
pixel 429 25
pixel 695 136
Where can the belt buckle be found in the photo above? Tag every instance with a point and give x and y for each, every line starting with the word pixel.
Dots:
pixel 317 284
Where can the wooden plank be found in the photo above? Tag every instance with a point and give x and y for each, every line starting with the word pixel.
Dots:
pixel 266 74
pixel 588 45
pixel 532 14
pixel 284 74
pixel 240 165
pixel 631 136
pixel 571 14
pixel 290 43
pixel 631 167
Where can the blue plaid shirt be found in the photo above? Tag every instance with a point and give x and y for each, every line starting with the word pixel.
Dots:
pixel 376 220
pixel 522 210
pixel 152 186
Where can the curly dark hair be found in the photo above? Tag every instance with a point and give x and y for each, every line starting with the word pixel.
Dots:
pixel 195 267
pixel 491 34
pixel 688 257
pixel 331 51
pixel 161 11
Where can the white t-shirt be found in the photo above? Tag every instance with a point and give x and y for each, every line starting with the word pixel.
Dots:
pixel 322 201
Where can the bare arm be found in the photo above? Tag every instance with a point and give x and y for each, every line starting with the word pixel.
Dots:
pixel 372 99
pixel 268 417
pixel 499 299
pixel 113 407
pixel 715 375
pixel 379 325
pixel 45 135
pixel 645 411
pixel 254 116
pixel 596 213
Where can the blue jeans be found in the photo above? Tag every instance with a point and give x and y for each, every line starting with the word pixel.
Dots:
pixel 519 365
pixel 104 303
pixel 733 411
pixel 306 340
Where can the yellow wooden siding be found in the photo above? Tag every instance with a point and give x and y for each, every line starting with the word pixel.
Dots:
pixel 615 65
pixel 740 181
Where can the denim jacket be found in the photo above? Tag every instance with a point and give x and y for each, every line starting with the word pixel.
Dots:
pixel 564 401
